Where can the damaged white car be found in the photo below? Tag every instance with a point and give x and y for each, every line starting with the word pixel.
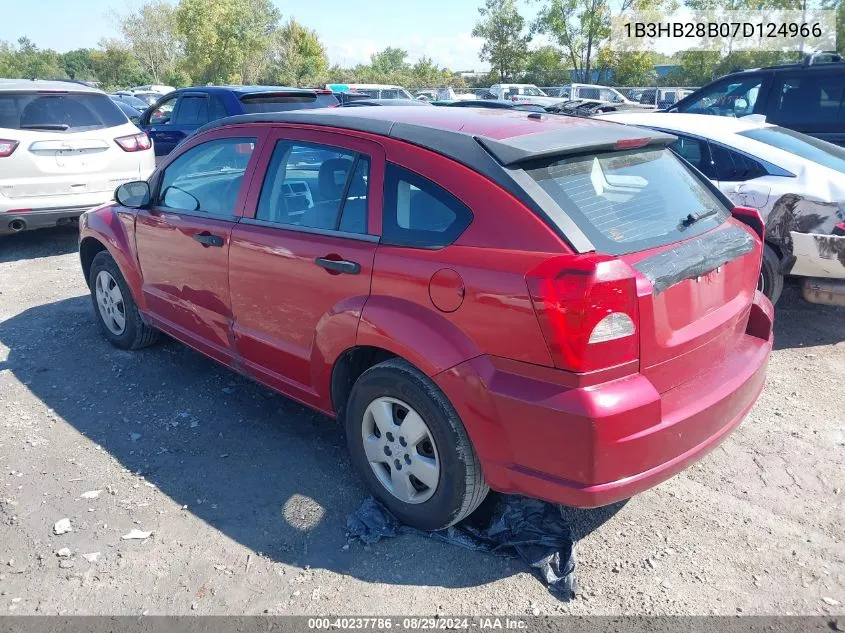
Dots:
pixel 797 182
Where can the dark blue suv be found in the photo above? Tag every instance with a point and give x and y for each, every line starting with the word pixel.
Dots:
pixel 177 114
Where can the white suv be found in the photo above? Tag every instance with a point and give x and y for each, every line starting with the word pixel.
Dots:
pixel 64 148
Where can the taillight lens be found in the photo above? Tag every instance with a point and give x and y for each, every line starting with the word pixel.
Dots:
pixel 839 229
pixel 587 307
pixel 134 142
pixel 7 148
pixel 751 217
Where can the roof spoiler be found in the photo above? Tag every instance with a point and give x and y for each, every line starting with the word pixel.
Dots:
pixel 272 94
pixel 566 142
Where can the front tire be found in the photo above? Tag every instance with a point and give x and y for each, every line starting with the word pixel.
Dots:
pixel 408 443
pixel 114 307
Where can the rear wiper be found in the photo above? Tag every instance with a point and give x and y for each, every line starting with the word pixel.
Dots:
pixel 61 127
pixel 692 218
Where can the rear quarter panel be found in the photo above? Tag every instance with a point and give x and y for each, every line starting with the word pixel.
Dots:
pixel 494 314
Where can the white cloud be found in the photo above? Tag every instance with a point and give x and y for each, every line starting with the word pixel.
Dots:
pixel 456 52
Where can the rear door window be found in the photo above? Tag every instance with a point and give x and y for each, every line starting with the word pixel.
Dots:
pixel 315 186
pixel 630 201
pixel 419 213
pixel 62 112
pixel 696 152
pixel 733 166
pixel 192 110
pixel 810 100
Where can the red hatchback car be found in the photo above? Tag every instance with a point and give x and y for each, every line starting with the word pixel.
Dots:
pixel 542 305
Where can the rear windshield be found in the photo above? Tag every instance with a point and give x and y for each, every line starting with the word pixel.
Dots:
pixel 281 102
pixel 630 201
pixel 62 112
pixel 813 149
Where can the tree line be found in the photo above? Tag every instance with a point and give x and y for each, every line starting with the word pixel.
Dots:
pixel 198 42
pixel 576 37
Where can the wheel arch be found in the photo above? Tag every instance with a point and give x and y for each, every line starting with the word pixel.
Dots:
pixel 107 229
pixel 89 247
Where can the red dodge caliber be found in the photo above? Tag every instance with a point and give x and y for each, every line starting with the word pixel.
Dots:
pixel 543 305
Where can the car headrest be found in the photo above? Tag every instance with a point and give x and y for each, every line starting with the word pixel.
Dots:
pixel 332 178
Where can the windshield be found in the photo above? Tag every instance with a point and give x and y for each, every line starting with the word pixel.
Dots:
pixel 630 201
pixel 58 112
pixel 812 149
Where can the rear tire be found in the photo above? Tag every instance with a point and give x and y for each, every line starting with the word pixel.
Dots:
pixel 393 400
pixel 114 308
pixel 771 279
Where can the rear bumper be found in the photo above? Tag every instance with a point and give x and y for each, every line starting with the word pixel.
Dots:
pixel 38 219
pixel 592 446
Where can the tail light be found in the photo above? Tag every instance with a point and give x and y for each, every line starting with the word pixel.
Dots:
pixel 839 229
pixel 587 307
pixel 7 148
pixel 751 217
pixel 134 142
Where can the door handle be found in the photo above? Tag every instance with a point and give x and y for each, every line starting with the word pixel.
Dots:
pixel 339 265
pixel 207 239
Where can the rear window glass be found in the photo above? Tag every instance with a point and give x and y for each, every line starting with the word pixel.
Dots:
pixel 813 149
pixel 630 201
pixel 64 112
pixel 279 103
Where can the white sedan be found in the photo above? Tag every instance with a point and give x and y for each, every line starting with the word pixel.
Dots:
pixel 797 182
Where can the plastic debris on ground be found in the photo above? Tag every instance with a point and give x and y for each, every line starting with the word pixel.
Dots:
pixel 529 529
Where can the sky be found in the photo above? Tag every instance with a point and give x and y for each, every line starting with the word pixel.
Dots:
pixel 350 29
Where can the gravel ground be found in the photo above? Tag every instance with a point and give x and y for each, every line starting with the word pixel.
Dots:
pixel 246 493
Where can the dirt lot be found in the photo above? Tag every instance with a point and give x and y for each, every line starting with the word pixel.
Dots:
pixel 247 493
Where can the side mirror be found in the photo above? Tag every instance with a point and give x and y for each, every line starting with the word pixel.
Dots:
pixel 134 195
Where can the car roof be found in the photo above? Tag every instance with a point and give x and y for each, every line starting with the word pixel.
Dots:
pixel 510 136
pixel 34 85
pixel 707 125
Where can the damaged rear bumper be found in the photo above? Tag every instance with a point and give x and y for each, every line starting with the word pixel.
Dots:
pixel 593 446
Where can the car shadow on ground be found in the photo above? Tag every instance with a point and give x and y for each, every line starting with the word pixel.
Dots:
pixel 799 323
pixel 41 243
pixel 263 470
